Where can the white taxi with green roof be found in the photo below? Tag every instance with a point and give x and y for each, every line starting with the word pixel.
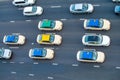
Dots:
pixel 50 25
pixel 49 38
pixel 41 53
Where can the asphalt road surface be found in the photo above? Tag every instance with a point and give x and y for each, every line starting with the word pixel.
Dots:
pixel 64 66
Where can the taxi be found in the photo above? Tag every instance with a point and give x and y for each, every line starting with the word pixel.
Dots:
pixel 50 25
pixel 49 38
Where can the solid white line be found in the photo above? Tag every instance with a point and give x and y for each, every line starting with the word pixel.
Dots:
pixel 55 6
pixel 49 77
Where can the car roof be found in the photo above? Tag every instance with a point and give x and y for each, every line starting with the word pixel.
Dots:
pixel 93 23
pixel 87 55
pixel 45 37
pixel 37 52
pixel 78 6
pixel 10 38
pixel 46 23
pixel 28 9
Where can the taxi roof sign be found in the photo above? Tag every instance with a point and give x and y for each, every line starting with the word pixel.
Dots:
pixel 45 37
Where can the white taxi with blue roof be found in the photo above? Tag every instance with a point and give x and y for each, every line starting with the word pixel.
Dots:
pixel 50 25
pixel 91 39
pixel 41 53
pixel 96 24
pixel 90 55
pixel 49 38
pixel 14 39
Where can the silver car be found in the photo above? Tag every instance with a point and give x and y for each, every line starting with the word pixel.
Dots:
pixel 81 8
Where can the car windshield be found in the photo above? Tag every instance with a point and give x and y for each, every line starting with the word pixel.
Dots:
pixel 95 23
pixel 39 52
pixel 1 52
pixel 84 7
pixel 94 39
pixel 52 37
pixel 88 55
pixel 12 38
pixel 34 9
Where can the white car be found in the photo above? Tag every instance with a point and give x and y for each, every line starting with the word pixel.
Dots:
pixel 50 25
pixel 116 0
pixel 32 10
pixel 95 40
pixel 49 38
pixel 96 24
pixel 5 53
pixel 41 53
pixel 14 39
pixel 90 56
pixel 23 2
pixel 81 8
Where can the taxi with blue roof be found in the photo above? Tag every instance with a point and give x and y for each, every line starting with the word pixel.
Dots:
pixel 117 9
pixel 41 53
pixel 14 39
pixel 50 25
pixel 92 39
pixel 90 55
pixel 96 24
pixel 49 38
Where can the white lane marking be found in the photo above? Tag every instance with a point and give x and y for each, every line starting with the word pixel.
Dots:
pixel 49 47
pixel 3 0
pixel 35 63
pixel 12 62
pixel 117 67
pixel 28 20
pixel 4 62
pixel 21 62
pixel 16 33
pixel 31 75
pixel 32 43
pixel 96 5
pixel 13 72
pixel 82 19
pixel 14 47
pixel 20 8
pixel 96 66
pixel 63 19
pixel 75 65
pixel 49 77
pixel 12 21
pixel 55 6
pixel 55 64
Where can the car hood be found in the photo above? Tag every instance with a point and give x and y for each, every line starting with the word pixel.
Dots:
pixel 106 40
pixel 58 25
pixel 100 57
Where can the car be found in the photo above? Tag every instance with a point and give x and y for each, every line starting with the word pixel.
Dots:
pixel 41 53
pixel 116 0
pixel 90 55
pixel 14 39
pixel 32 10
pixel 81 8
pixel 49 38
pixel 96 24
pixel 50 25
pixel 5 53
pixel 117 9
pixel 23 2
pixel 92 39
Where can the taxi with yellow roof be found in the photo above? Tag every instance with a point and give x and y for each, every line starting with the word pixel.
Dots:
pixel 49 38
pixel 50 25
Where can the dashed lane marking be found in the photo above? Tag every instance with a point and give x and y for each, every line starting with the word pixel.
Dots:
pixel 55 64
pixel 75 65
pixel 14 47
pixel 28 20
pixel 13 72
pixel 96 5
pixel 55 6
pixel 49 77
pixel 12 62
pixel 35 63
pixel 31 75
pixel 12 21
pixel 117 67
pixel 63 19
pixel 4 62
pixel 96 66
pixel 21 62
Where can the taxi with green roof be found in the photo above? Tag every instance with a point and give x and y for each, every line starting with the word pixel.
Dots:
pixel 90 55
pixel 49 38
pixel 50 25
pixel 41 53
